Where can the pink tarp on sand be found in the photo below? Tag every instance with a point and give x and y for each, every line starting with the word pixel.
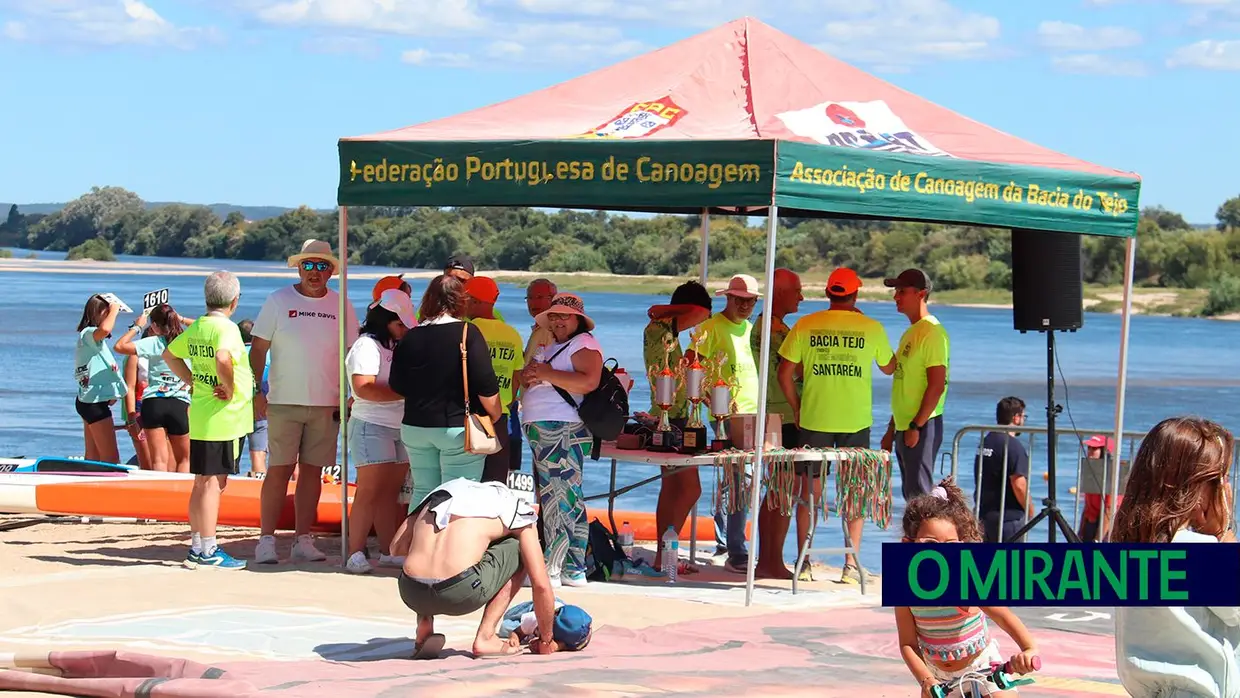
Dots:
pixel 843 652
pixel 732 82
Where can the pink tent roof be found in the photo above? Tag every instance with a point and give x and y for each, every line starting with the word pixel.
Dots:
pixel 743 80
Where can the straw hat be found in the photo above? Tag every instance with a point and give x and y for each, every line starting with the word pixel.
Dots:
pixel 315 249
pixel 566 304
pixel 690 305
pixel 741 286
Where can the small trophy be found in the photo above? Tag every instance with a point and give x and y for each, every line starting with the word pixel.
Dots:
pixel 664 382
pixel 722 403
pixel 693 440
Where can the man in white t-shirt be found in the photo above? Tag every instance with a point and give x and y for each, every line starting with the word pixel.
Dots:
pixel 298 323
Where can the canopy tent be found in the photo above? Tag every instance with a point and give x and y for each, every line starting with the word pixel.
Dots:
pixel 742 119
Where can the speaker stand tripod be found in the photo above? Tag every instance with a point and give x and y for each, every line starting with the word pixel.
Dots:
pixel 1049 508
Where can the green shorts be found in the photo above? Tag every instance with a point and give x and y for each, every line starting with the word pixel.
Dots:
pixel 468 591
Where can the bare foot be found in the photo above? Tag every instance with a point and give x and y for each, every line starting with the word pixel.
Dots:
pixel 776 572
pixel 493 647
pixel 426 628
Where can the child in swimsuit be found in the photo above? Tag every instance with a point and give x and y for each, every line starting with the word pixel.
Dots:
pixel 942 643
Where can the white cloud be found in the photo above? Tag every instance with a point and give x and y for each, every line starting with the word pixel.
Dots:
pixel 406 17
pixel 684 12
pixel 97 22
pixel 899 33
pixel 1073 37
pixel 1207 54
pixel 423 57
pixel 343 46
pixel 1095 64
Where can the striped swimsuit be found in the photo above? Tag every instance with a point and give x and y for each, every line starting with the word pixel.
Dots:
pixel 950 633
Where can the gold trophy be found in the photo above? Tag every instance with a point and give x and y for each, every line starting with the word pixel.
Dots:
pixel 693 440
pixel 664 383
pixel 722 402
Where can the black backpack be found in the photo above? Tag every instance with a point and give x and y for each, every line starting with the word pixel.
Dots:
pixel 604 410
pixel 605 550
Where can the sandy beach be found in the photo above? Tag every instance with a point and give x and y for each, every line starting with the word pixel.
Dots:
pixel 312 630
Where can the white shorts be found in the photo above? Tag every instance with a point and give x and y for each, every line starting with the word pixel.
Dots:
pixel 982 663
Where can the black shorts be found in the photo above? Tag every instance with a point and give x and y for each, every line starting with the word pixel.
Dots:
pixel 213 457
pixel 830 439
pixel 92 412
pixel 167 413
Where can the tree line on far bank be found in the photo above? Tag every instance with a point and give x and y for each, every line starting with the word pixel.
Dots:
pixel 111 220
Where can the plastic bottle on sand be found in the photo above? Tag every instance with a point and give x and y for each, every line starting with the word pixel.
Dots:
pixel 626 538
pixel 671 554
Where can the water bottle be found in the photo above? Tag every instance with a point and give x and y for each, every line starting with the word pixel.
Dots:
pixel 626 539
pixel 671 554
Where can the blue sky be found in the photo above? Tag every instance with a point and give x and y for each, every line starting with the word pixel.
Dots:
pixel 242 101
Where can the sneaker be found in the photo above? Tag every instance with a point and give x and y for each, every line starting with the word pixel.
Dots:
pixel 358 564
pixel 807 572
pixel 192 560
pixel 265 551
pixel 304 550
pixel 220 560
pixel 391 560
pixel 556 582
pixel 852 575
pixel 571 581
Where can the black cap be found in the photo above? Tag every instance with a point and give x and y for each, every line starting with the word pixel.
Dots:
pixel 910 278
pixel 460 261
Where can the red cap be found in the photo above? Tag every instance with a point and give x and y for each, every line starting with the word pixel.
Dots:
pixel 482 288
pixel 387 283
pixel 843 282
pixel 1098 441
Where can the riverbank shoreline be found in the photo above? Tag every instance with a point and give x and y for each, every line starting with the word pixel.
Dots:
pixel 1099 299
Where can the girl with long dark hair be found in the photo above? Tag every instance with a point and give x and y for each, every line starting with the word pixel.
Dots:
pixel 165 402
pixel 374 430
pixel 98 378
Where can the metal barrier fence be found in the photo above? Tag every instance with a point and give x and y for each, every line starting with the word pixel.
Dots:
pixel 1125 451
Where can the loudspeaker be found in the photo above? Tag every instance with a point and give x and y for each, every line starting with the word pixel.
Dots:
pixel 1047 281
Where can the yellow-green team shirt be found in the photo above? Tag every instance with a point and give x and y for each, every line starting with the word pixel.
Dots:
pixel 654 352
pixel 776 401
pixel 837 350
pixel 733 340
pixel 507 357
pixel 212 419
pixel 924 344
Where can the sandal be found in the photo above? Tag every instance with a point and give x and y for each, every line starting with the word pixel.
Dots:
pixel 430 648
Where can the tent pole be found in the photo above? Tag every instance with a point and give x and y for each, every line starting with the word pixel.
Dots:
pixel 343 248
pixel 705 245
pixel 1130 263
pixel 764 371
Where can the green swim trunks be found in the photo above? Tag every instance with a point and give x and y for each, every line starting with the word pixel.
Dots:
pixel 468 591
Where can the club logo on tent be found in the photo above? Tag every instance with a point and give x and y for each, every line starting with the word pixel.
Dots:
pixel 639 120
pixel 844 116
pixel 862 125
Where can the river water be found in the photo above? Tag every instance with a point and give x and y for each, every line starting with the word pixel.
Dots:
pixel 1176 366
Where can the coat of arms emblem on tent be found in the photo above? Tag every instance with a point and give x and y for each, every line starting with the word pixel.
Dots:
pixel 639 120
pixel 866 125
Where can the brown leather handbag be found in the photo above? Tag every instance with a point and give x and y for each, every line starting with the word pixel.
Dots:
pixel 480 436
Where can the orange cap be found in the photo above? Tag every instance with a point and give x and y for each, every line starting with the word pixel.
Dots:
pixel 843 282
pixel 482 288
pixel 387 283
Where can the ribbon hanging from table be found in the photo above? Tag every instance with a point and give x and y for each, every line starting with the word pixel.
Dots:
pixel 730 469
pixel 781 480
pixel 863 485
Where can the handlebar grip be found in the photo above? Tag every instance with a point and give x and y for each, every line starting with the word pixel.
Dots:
pixel 1037 665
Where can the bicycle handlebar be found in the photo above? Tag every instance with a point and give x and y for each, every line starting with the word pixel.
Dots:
pixel 996 675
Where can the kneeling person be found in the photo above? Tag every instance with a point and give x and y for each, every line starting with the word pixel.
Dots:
pixel 470 545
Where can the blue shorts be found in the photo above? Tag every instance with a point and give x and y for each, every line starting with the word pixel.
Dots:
pixel 373 443
pixel 258 438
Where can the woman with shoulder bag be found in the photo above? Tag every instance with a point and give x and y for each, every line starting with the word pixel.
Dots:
pixel 431 367
pixel 553 385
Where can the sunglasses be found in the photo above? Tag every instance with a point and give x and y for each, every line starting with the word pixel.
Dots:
pixel 316 266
